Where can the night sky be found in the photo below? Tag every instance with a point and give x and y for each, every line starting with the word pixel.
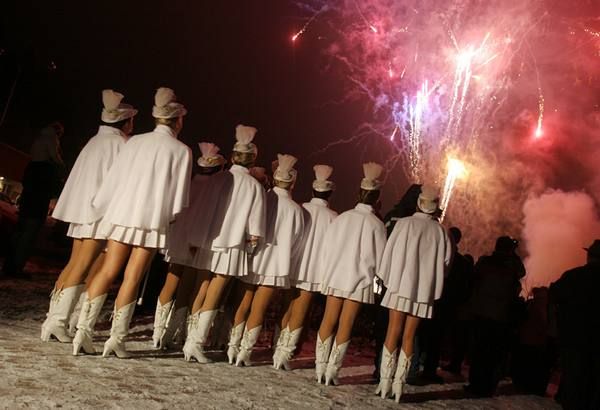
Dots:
pixel 229 62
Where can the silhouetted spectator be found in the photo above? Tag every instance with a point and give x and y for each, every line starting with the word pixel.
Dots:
pixel 576 296
pixel 496 288
pixel 40 185
pixel 531 359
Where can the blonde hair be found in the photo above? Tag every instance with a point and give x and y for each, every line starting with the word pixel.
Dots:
pixel 169 122
pixel 245 159
pixel 282 184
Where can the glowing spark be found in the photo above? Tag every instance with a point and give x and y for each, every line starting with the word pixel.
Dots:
pixel 394 133
pixel 373 29
pixel 308 23
pixel 415 113
pixel 456 171
pixel 538 130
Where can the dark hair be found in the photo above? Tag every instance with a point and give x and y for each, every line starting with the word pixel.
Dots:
pixel 456 234
pixel 368 197
pixel 506 244
pixel 208 170
pixel 322 195
pixel 118 124
pixel 245 159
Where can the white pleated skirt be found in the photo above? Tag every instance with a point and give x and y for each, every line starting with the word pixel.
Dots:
pixel 146 238
pixel 307 286
pixel 394 301
pixel 275 281
pixel 222 261
pixel 364 295
pixel 85 231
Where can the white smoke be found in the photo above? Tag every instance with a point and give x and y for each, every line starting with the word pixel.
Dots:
pixel 557 226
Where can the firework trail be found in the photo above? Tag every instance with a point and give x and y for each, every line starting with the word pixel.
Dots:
pixel 448 80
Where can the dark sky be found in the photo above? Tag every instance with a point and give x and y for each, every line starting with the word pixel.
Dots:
pixel 229 62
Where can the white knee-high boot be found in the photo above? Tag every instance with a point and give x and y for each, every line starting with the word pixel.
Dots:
pixel 85 326
pixel 50 310
pixel 281 339
pixel 119 331
pixel 75 315
pixel 198 329
pixel 177 320
pixel 161 316
pixel 335 362
pixel 400 376
pixel 56 324
pixel 235 339
pixel 387 368
pixel 287 348
pixel 247 344
pixel 322 351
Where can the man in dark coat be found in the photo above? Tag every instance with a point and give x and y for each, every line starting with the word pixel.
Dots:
pixel 496 288
pixel 575 295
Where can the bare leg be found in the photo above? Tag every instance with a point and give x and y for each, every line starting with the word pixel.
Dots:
pixel 350 310
pixel 88 252
pixel 213 294
pixel 408 336
pixel 171 282
pixel 288 296
pixel 139 261
pixel 194 288
pixel 67 269
pixel 333 307
pixel 116 257
pixel 242 301
pixel 299 309
pixel 394 330
pixel 95 268
pixel 260 303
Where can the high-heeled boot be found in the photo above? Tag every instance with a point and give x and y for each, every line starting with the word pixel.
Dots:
pixel 322 350
pixel 288 346
pixel 56 324
pixel 235 338
pixel 119 331
pixel 50 310
pixel 75 315
pixel 177 318
pixel 85 326
pixel 386 372
pixel 281 339
pixel 161 316
pixel 247 344
pixel 200 324
pixel 336 358
pixel 400 376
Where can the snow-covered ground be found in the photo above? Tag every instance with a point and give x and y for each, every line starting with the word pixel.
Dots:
pixel 34 374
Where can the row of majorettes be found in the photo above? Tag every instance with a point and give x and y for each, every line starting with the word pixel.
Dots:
pixel 134 196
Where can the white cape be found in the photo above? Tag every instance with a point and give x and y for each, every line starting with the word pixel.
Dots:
pixel 353 248
pixel 91 167
pixel 283 241
pixel 416 259
pixel 149 183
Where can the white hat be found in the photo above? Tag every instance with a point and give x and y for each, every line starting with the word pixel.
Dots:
pixel 372 171
pixel 165 105
pixel 428 199
pixel 321 182
pixel 115 111
pixel 244 136
pixel 285 171
pixel 210 155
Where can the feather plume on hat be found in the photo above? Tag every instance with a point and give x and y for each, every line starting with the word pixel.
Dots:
pixel 285 171
pixel 372 172
pixel 321 182
pixel 115 111
pixel 166 105
pixel 210 155
pixel 244 136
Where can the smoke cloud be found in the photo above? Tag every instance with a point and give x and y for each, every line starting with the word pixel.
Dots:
pixel 557 225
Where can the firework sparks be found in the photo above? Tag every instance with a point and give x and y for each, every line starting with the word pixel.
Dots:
pixel 456 171
pixel 309 22
pixel 539 132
